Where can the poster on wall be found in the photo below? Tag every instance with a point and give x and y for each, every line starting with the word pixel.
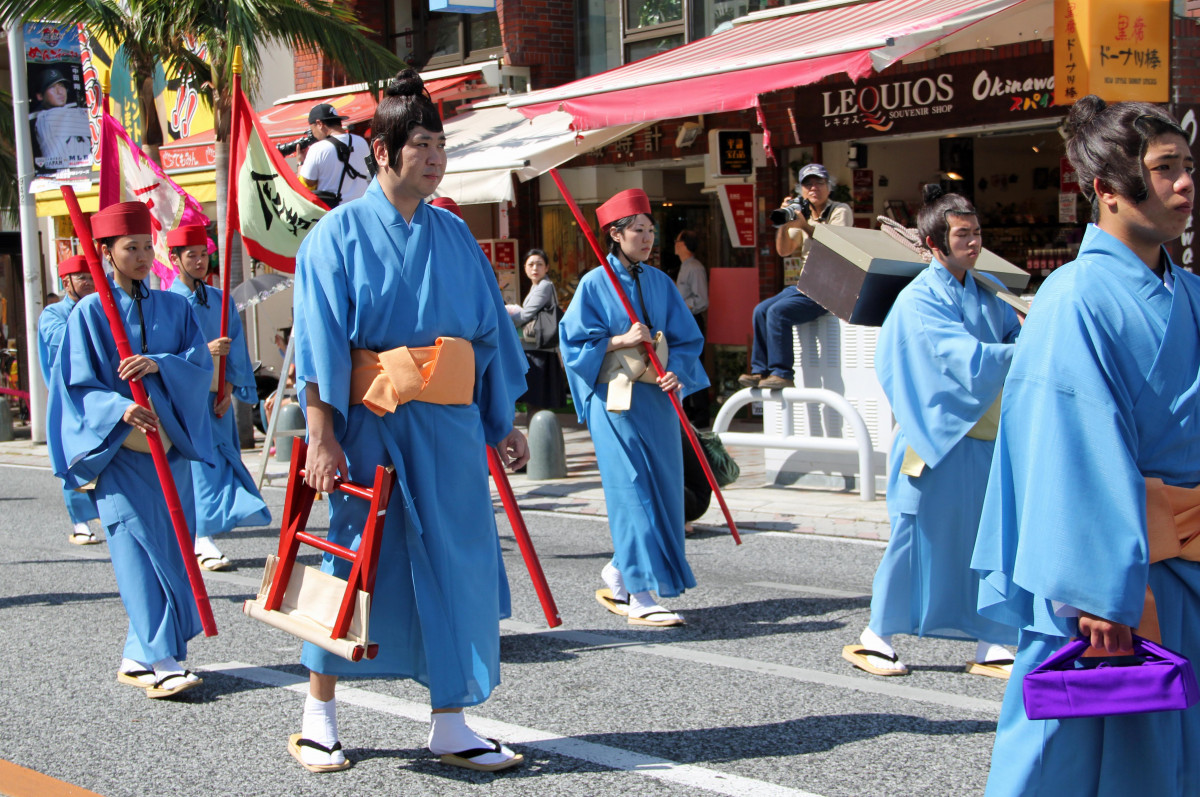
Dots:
pixel 58 119
pixel 863 192
pixel 502 254
pixel 737 206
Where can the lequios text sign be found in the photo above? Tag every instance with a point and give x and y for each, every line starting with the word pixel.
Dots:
pixel 1008 90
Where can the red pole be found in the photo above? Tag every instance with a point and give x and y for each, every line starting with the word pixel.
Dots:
pixel 649 347
pixel 182 535
pixel 532 564
pixel 231 200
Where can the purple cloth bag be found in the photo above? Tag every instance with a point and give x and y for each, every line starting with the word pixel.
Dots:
pixel 1156 679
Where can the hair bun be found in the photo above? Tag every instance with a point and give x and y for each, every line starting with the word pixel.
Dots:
pixel 407 83
pixel 932 192
pixel 1083 113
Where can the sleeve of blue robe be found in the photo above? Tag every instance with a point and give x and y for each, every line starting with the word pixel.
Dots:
pixel 927 357
pixel 321 308
pixel 88 402
pixel 596 314
pixel 1065 496
pixel 52 324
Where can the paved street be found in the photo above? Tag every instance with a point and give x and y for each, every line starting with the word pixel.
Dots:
pixel 751 697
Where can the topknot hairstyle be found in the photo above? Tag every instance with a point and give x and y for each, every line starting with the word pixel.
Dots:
pixel 933 219
pixel 1109 142
pixel 406 104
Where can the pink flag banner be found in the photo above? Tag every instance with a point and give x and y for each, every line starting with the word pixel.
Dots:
pixel 126 174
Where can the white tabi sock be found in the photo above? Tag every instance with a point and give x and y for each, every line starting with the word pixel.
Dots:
pixel 129 666
pixel 82 529
pixel 206 548
pixel 989 651
pixel 320 725
pixel 448 733
pixel 612 579
pixel 873 641
pixel 643 603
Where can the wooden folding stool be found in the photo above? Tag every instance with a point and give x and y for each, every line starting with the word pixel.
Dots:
pixel 318 607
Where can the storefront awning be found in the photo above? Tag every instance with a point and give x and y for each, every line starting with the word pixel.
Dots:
pixel 489 145
pixel 763 52
pixel 287 120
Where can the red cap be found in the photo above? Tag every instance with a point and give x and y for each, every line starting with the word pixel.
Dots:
pixel 73 265
pixel 123 218
pixel 188 235
pixel 630 202
pixel 446 203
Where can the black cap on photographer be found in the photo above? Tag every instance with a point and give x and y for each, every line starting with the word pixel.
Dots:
pixel 324 113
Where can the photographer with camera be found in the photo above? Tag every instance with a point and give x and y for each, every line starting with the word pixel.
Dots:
pixel 335 168
pixel 771 361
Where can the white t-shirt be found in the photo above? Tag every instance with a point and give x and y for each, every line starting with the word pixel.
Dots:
pixel 322 166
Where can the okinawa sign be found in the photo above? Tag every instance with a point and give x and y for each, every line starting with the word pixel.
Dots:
pixel 1011 90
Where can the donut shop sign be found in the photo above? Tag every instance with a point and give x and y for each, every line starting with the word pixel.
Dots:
pixel 921 100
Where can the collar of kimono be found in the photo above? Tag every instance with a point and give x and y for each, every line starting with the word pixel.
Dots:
pixel 443 373
pixel 1173 529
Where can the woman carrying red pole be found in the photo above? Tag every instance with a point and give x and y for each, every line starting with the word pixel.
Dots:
pixel 104 440
pixel 629 413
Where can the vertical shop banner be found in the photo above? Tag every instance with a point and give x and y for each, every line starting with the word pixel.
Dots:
pixel 58 120
pixel 1119 51
pixel 737 205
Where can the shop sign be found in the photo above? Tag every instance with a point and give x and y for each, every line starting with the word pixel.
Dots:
pixel 1119 51
pixel 1186 251
pixel 502 254
pixel 201 156
pixel 1068 180
pixel 734 153
pixel 1008 90
pixel 737 205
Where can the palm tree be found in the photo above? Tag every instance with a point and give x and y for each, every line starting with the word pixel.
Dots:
pixel 166 31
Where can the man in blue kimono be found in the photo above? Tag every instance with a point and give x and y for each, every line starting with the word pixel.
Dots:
pixel 52 325
pixel 383 283
pixel 1100 423
pixel 226 495
pixel 103 439
pixel 633 425
pixel 942 356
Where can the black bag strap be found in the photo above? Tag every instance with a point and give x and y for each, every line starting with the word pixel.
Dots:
pixel 344 151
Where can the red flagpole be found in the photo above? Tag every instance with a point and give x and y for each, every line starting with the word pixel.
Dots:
pixel 182 535
pixel 230 208
pixel 532 564
pixel 649 347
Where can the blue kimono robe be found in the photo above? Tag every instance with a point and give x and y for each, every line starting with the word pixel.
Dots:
pixel 1102 393
pixel 366 278
pixel 942 356
pixel 52 325
pixel 638 451
pixel 87 403
pixel 226 495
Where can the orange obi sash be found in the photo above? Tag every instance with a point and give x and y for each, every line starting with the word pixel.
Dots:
pixel 1173 529
pixel 443 373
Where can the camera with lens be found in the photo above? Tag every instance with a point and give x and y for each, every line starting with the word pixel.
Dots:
pixel 789 212
pixel 291 146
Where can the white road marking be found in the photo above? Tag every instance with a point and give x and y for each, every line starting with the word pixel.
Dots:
pixel 683 653
pixel 612 757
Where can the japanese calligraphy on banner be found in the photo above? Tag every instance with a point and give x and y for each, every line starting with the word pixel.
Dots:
pixel 737 205
pixel 960 95
pixel 1119 51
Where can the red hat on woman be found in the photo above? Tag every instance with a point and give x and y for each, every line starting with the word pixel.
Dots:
pixel 123 218
pixel 187 235
pixel 630 202
pixel 73 265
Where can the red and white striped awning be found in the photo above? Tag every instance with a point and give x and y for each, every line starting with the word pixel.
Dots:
pixel 763 52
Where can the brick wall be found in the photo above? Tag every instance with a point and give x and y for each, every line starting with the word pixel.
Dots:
pixel 314 71
pixel 1185 57
pixel 539 34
